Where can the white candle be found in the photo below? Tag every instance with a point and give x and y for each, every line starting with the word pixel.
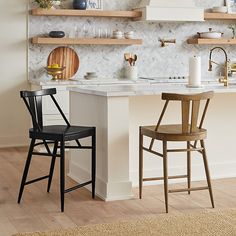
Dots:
pixel 195 71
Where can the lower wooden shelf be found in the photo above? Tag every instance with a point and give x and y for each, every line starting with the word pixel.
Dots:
pixel 211 41
pixel 85 41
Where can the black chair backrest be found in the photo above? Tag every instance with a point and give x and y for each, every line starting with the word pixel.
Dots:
pixel 33 102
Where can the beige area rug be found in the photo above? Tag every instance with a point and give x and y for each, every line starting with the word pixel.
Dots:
pixel 213 223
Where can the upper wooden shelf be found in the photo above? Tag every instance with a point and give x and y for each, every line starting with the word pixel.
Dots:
pixel 212 41
pixel 85 41
pixel 219 16
pixel 88 13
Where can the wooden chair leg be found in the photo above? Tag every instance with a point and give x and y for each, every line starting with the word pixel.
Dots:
pixel 26 170
pixel 165 172
pixel 140 164
pixel 52 166
pixel 93 164
pixel 207 172
pixel 62 174
pixel 189 166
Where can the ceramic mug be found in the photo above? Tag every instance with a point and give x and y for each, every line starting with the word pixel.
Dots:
pixel 131 72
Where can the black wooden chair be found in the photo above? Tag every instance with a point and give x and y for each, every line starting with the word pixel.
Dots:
pixel 56 135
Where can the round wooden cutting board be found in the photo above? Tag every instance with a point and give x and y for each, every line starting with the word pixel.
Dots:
pixel 65 56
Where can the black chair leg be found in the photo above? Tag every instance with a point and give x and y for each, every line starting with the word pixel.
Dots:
pixel 93 163
pixel 52 166
pixel 27 165
pixel 62 174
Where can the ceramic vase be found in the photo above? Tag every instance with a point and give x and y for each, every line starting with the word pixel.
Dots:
pixel 80 4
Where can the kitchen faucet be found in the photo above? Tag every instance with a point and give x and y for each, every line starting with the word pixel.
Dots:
pixel 225 79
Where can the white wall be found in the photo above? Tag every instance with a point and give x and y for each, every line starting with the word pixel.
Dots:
pixel 14 120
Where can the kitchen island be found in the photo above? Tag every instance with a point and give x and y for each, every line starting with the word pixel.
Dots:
pixel 118 110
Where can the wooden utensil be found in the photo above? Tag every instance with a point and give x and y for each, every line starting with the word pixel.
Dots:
pixel 127 56
pixel 65 57
pixel 135 57
pixel 130 61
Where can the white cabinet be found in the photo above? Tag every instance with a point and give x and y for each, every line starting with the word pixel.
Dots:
pixel 51 115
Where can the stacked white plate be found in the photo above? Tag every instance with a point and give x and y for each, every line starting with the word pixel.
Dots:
pixel 117 34
pixel 129 35
pixel 91 75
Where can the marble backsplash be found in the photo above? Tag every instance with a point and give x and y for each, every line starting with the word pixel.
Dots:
pixel 108 61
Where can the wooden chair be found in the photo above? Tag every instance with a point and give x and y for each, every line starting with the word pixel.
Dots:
pixel 188 132
pixel 55 134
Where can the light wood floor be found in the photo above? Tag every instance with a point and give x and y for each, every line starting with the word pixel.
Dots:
pixel 40 211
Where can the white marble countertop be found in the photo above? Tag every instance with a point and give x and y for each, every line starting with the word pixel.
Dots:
pixel 85 82
pixel 148 89
pixel 111 87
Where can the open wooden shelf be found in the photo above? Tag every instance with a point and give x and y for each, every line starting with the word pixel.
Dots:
pixel 211 41
pixel 85 41
pixel 85 13
pixel 219 16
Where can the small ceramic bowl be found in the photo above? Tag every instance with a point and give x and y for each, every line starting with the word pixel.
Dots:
pixel 57 34
pixel 129 35
pixel 91 74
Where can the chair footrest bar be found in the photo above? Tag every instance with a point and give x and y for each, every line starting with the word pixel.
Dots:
pixel 77 186
pixel 153 152
pixel 200 151
pixel 76 147
pixel 188 189
pixel 162 178
pixel 36 180
pixel 44 154
pixel 193 149
pixel 41 143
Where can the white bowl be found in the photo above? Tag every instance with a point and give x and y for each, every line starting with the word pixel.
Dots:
pixel 222 9
pixel 129 35
pixel 118 36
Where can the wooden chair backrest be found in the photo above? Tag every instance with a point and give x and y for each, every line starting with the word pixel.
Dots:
pixel 190 107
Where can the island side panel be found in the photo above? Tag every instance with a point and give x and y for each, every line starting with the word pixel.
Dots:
pixel 110 116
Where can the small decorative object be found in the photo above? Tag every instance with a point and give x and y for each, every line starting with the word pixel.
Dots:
pixel 80 4
pixel 233 28
pixel 56 4
pixel 94 4
pixel 57 34
pixel 44 3
pixel 55 70
pixel 129 35
pixel 49 3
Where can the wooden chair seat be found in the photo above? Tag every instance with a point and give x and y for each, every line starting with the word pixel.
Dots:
pixel 173 133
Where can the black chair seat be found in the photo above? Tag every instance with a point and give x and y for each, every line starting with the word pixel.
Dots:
pixel 55 132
